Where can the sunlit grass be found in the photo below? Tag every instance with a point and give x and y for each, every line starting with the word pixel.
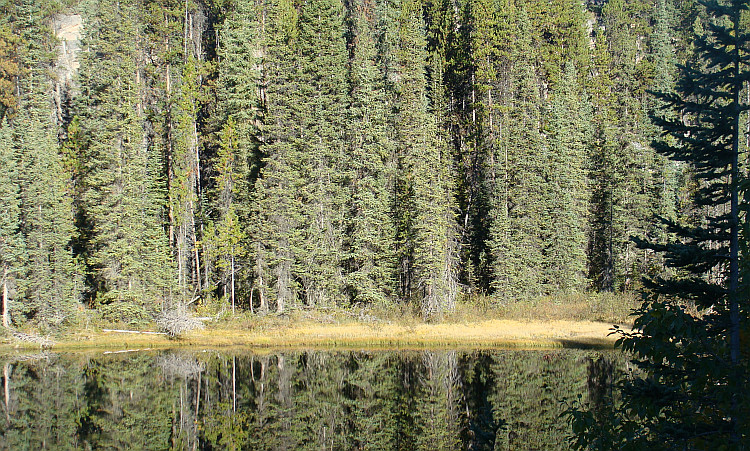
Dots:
pixel 477 321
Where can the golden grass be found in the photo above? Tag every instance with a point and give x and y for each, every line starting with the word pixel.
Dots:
pixel 479 322
pixel 487 334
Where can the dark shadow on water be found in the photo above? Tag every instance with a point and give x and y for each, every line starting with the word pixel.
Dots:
pixel 587 344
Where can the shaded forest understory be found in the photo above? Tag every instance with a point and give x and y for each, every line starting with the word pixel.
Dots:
pixel 265 154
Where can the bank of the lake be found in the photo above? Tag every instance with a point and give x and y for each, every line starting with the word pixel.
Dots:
pixel 500 333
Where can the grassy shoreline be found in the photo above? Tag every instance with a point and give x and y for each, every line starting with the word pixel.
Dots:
pixel 581 322
pixel 486 334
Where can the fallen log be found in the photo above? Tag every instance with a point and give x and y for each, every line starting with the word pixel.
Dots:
pixel 123 331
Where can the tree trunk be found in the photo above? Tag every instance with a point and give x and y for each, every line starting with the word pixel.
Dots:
pixel 734 270
pixel 6 390
pixel 6 323
pixel 232 269
pixel 234 384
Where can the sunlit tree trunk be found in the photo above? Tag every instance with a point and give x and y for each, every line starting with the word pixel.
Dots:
pixel 5 298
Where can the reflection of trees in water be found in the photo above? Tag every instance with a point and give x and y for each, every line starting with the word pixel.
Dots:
pixel 297 400
pixel 480 423
pixel 179 366
pixel 601 374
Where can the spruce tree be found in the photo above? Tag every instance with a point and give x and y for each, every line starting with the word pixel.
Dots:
pixel 622 161
pixel 226 236
pixel 53 283
pixel 693 391
pixel 425 233
pixel 277 215
pixel 172 77
pixel 566 186
pixel 492 31
pixel 560 36
pixel 606 174
pixel 12 246
pixel 370 261
pixel 517 209
pixel 184 178
pixel 129 256
pixel 321 81
pixel 46 215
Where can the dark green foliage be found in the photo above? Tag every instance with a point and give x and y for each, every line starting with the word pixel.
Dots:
pixel 12 245
pixel 370 226
pixel 567 187
pixel 692 392
pixel 518 169
pixel 51 282
pixel 425 236
pixel 301 191
pixel 130 256
pixel 276 153
pixel 430 400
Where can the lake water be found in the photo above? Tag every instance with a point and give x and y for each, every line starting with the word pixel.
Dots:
pixel 346 400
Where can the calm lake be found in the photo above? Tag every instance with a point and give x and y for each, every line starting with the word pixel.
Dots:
pixel 347 400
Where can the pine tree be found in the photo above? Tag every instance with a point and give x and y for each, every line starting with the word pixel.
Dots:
pixel 693 389
pixel 53 284
pixel 423 203
pixel 322 85
pixel 172 98
pixel 671 176
pixel 623 163
pixel 46 215
pixel 278 210
pixel 121 199
pixel 227 236
pixel 605 175
pixel 12 246
pixel 184 177
pixel 492 29
pixel 370 261
pixel 566 186
pixel 302 192
pixel 560 36
pixel 516 232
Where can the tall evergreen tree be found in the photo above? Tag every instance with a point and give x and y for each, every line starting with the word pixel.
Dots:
pixel 425 230
pixel 560 37
pixel 370 261
pixel 622 161
pixel 184 178
pixel 121 200
pixel 566 186
pixel 12 246
pixel 303 189
pixel 52 285
pixel 277 215
pixel 322 85
pixel 516 235
pixel 492 31
pixel 226 236
pixel 693 392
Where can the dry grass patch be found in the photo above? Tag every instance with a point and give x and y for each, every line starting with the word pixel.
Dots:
pixel 492 333
pixel 476 322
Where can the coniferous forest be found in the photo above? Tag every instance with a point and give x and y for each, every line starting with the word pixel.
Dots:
pixel 262 155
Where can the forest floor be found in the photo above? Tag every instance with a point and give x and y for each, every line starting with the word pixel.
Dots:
pixel 583 323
